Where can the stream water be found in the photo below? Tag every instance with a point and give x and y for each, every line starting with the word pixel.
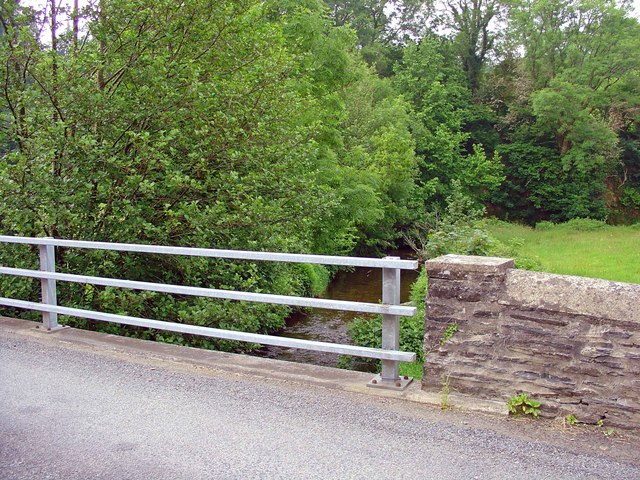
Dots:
pixel 362 285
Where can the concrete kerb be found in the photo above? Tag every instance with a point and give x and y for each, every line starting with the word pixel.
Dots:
pixel 208 362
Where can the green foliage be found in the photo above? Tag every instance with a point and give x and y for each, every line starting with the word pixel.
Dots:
pixel 458 230
pixel 571 420
pixel 367 331
pixel 434 84
pixel 474 39
pixel 544 225
pixel 587 144
pixel 566 98
pixel 316 278
pixel 375 167
pixel 380 26
pixel 414 370
pixel 514 248
pixel 521 404
pixel 263 125
pixel 630 198
pixel 419 291
pixel 584 224
pixel 539 187
pixel 451 329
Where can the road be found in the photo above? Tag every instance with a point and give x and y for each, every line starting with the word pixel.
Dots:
pixel 89 412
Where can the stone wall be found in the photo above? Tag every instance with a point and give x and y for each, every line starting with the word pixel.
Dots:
pixel 572 343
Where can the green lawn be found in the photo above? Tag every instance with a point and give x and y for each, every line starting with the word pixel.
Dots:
pixel 612 253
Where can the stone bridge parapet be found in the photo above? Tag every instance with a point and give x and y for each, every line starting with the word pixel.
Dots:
pixel 572 343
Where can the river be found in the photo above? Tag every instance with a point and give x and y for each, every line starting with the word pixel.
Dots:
pixel 361 285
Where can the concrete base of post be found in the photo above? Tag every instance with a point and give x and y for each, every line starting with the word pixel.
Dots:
pixel 400 384
pixel 40 328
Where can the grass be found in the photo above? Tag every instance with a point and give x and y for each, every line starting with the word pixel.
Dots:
pixel 575 248
pixel 414 369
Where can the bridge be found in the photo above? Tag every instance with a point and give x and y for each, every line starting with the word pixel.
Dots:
pixel 81 404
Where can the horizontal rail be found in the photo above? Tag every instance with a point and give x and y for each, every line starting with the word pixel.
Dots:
pixel 215 332
pixel 217 293
pixel 216 253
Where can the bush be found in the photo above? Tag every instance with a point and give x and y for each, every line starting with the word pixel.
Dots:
pixel 577 224
pixel 630 198
pixel 462 240
pixel 367 331
pixel 584 224
pixel 457 230
pixel 511 249
pixel 544 225
pixel 315 278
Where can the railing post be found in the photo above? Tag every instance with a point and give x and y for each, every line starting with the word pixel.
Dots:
pixel 389 378
pixel 390 323
pixel 48 287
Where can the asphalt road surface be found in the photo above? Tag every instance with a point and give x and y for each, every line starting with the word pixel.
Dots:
pixel 67 413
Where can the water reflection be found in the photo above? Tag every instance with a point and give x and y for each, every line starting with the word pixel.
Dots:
pixel 362 285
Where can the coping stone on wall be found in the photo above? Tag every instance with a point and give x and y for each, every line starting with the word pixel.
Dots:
pixel 452 266
pixel 576 295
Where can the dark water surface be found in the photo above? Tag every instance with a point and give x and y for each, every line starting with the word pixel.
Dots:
pixel 359 285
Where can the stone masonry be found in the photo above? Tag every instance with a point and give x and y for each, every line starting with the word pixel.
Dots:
pixel 572 343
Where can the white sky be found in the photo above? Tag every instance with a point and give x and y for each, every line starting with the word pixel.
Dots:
pixel 636 7
pixel 69 4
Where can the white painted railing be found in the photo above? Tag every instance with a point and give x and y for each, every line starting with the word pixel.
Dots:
pixel 389 309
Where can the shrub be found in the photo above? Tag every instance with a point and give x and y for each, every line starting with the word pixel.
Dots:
pixel 511 249
pixel 584 224
pixel 315 278
pixel 544 225
pixel 367 331
pixel 577 224
pixel 457 230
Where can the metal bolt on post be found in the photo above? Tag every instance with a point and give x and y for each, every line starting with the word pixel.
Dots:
pixel 389 378
pixel 48 287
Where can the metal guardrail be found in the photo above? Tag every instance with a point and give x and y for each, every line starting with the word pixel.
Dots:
pixel 389 309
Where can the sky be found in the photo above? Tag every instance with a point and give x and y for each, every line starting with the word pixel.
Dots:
pixel 69 4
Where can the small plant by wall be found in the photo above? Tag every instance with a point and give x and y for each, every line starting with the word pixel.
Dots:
pixel 570 420
pixel 523 405
pixel 451 329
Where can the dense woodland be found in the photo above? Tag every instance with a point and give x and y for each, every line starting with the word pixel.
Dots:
pixel 302 126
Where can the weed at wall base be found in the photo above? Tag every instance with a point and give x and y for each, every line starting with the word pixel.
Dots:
pixel 523 405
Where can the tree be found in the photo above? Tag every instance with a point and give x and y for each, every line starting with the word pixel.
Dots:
pixel 382 27
pixel 474 38
pixel 178 124
pixel 434 83
pixel 365 151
